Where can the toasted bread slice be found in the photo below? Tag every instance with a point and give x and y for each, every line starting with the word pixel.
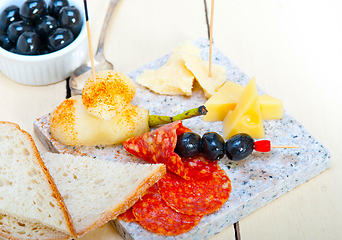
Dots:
pixel 96 191
pixel 30 205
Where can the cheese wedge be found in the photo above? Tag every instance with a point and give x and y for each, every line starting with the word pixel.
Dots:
pixel 200 69
pixel 173 78
pixel 225 99
pixel 246 117
pixel 271 108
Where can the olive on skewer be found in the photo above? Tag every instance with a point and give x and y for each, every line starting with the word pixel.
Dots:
pixel 213 146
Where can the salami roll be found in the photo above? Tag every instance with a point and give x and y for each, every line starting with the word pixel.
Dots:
pixel 153 214
pixel 205 194
pixel 158 146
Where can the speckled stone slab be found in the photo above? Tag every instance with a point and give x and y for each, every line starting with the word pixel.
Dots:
pixel 256 181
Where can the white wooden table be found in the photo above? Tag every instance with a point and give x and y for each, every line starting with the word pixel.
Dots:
pixel 292 47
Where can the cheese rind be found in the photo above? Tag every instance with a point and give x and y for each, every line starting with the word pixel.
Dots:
pixel 225 99
pixel 246 117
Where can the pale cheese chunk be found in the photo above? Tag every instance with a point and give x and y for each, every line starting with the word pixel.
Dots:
pixel 246 117
pixel 173 78
pixel 200 69
pixel 168 80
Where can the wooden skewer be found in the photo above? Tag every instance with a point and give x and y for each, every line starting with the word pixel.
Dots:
pixel 284 146
pixel 89 40
pixel 211 36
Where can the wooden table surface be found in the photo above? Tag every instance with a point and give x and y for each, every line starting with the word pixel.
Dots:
pixel 292 47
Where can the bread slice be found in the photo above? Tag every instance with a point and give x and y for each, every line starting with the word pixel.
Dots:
pixel 96 191
pixel 30 205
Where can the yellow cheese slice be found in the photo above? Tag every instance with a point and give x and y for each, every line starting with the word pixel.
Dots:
pixel 271 108
pixel 173 78
pixel 200 69
pixel 246 117
pixel 225 99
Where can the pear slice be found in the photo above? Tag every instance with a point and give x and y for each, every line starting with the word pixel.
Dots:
pixel 107 95
pixel 71 124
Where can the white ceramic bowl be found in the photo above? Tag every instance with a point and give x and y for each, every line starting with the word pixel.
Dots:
pixel 49 68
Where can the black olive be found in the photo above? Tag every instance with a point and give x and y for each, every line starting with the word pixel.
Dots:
pixel 188 144
pixel 212 145
pixel 17 28
pixel 59 39
pixel 32 10
pixel 8 16
pixel 44 50
pixel 55 6
pixel 70 17
pixel 28 43
pixel 45 26
pixel 6 43
pixel 239 146
pixel 13 50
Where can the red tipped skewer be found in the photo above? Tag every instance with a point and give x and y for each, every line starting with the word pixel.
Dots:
pixel 265 146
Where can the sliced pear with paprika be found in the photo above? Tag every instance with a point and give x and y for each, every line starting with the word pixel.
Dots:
pixel 71 124
pixel 108 94
pixel 246 117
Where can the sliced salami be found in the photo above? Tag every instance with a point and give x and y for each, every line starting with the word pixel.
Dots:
pixel 127 216
pixel 153 214
pixel 198 168
pixel 158 146
pixel 202 195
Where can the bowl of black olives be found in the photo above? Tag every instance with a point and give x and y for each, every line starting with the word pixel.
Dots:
pixel 41 41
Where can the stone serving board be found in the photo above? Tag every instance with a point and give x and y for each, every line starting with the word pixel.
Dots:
pixel 256 181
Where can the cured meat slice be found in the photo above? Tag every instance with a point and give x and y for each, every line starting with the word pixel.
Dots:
pixel 199 168
pixel 158 146
pixel 153 214
pixel 127 216
pixel 200 196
